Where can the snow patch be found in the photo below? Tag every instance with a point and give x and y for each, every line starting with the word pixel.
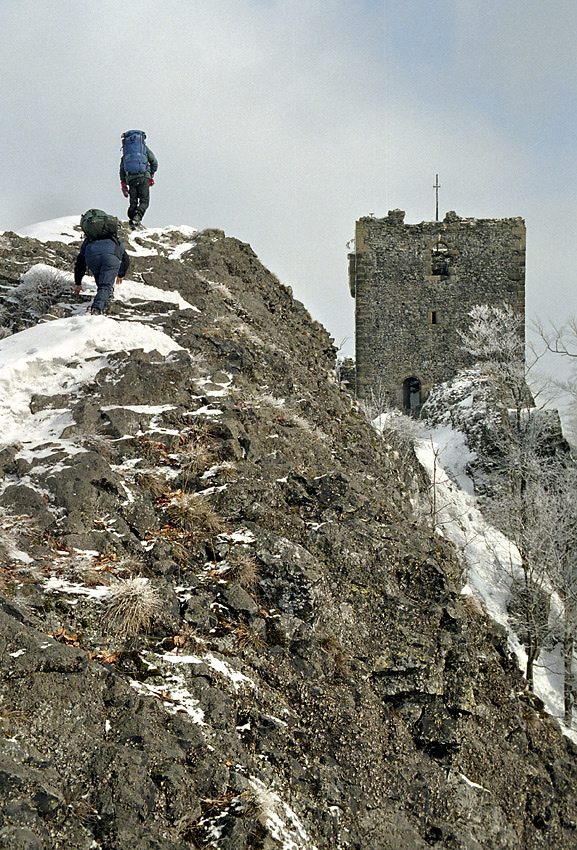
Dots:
pixel 56 358
pixel 66 229
pixel 238 679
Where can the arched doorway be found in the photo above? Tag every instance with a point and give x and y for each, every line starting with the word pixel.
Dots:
pixel 411 394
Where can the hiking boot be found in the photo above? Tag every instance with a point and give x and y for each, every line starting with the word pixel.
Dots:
pixel 95 311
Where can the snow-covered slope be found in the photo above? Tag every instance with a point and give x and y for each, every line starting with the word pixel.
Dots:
pixel 305 671
pixel 67 230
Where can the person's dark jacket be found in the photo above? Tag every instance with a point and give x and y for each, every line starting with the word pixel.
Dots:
pixel 101 246
pixel 152 168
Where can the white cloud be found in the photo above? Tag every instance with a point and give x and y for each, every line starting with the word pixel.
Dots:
pixel 282 121
pixel 523 49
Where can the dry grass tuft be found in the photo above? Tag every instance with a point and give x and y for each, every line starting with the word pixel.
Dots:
pixel 300 422
pixel 194 449
pixel 132 605
pixel 343 668
pixel 245 638
pixel 243 569
pixel 194 513
pixel 41 287
pixel 222 289
pixel 267 400
pixel 197 361
pixel 187 638
pixel 226 471
pixel 155 453
pixel 233 326
pixel 153 482
pixel 329 643
pixel 180 553
pixel 196 458
pixel 245 331
pixel 284 413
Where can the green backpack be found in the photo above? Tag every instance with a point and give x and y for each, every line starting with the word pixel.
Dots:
pixel 96 224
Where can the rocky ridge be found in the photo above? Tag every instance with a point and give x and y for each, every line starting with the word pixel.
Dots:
pixel 302 671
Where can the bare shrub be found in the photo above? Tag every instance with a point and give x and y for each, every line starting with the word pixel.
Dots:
pixel 132 604
pixel 378 402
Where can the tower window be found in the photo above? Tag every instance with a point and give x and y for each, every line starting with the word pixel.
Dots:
pixel 434 317
pixel 440 260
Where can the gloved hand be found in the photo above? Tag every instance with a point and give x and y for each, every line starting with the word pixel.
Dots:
pixel 124 190
pixel 151 181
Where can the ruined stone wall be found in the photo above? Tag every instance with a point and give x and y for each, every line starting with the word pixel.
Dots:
pixel 414 285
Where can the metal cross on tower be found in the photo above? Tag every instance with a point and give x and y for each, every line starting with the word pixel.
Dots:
pixel 436 187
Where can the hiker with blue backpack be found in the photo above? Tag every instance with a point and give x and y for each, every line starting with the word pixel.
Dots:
pixel 103 254
pixel 138 166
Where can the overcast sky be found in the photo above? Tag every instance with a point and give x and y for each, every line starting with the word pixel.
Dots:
pixel 283 121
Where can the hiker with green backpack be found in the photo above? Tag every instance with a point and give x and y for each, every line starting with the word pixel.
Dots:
pixel 138 166
pixel 103 254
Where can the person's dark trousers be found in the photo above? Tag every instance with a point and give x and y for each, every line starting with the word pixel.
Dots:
pixel 139 192
pixel 105 268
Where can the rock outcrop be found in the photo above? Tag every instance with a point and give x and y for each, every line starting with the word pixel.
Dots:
pixel 224 625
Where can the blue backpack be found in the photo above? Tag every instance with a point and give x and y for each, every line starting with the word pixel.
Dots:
pixel 134 156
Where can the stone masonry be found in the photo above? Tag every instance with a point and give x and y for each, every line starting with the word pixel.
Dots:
pixel 414 285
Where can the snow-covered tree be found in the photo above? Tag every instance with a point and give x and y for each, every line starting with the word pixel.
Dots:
pixel 563 341
pixel 522 462
pixel 555 536
pixel 495 338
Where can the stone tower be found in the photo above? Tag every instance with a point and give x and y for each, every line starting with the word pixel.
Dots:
pixel 413 286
